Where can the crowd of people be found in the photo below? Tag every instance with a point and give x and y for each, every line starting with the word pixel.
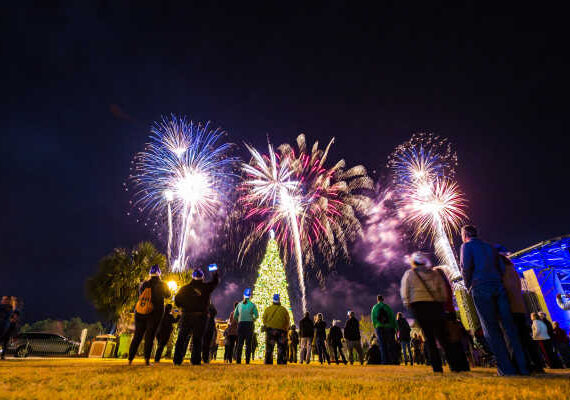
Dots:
pixel 509 338
pixel 512 339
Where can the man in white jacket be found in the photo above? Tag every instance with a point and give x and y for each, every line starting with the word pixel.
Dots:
pixel 561 303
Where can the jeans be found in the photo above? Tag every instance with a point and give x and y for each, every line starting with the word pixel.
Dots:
pixel 190 324
pixel 275 337
pixel 382 344
pixel 406 346
pixel 145 326
pixel 355 345
pixel 492 305
pixel 306 349
pixel 245 334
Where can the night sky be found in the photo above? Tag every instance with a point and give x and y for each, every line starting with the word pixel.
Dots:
pixel 83 81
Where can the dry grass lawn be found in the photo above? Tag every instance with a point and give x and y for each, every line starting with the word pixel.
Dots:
pixel 113 379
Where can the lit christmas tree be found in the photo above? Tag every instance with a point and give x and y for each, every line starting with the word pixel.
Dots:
pixel 271 279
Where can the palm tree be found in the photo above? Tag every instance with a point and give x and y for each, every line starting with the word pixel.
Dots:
pixel 113 290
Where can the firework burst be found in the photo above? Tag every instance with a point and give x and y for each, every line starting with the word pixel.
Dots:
pixel 311 208
pixel 428 198
pixel 181 176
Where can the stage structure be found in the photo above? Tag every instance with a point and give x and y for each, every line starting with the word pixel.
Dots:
pixel 545 268
pixel 271 279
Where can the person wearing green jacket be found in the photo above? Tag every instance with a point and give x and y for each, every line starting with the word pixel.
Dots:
pixel 276 323
pixel 245 314
pixel 385 325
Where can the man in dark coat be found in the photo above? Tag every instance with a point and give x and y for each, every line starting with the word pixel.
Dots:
pixel 306 332
pixel 335 339
pixel 352 336
pixel 194 300
pixel 320 338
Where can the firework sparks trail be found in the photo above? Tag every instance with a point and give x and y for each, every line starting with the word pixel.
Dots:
pixel 183 173
pixel 309 206
pixel 430 200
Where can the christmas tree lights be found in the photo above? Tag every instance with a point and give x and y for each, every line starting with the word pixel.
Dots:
pixel 271 279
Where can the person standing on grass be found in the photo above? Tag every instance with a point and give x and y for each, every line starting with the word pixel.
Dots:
pixel 352 337
pixel 164 331
pixel 483 271
pixel 385 325
pixel 276 323
pixel 556 363
pixel 512 284
pixel 307 332
pixel 245 314
pixel 148 313
pixel 561 343
pixel 335 340
pixel 541 336
pixel 423 292
pixel 293 339
pixel 320 338
pixel 404 331
pixel 209 333
pixel 194 300
pixel 231 336
pixel 10 331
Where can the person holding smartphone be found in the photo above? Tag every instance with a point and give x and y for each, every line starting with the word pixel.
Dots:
pixel 193 299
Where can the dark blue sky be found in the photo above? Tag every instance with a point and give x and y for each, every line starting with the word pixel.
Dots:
pixel 82 81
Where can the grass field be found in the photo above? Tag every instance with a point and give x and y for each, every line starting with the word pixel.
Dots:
pixel 113 379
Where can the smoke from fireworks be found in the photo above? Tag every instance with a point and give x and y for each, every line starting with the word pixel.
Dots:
pixel 309 206
pixel 181 176
pixel 427 196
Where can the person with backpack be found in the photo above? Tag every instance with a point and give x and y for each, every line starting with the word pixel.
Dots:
pixel 423 292
pixel 320 338
pixel 148 313
pixel 194 300
pixel 352 336
pixel 164 331
pixel 245 314
pixel 306 332
pixel 385 326
pixel 293 339
pixel 404 332
pixel 276 323
pixel 335 340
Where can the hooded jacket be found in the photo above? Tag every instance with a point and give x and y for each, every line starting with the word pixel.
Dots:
pixel 306 327
pixel 276 317
pixel 375 316
pixel 413 290
pixel 195 296
pixel 158 292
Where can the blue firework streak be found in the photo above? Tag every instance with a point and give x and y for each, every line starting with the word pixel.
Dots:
pixel 183 174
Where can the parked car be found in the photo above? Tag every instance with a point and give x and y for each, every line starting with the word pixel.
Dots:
pixel 41 343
